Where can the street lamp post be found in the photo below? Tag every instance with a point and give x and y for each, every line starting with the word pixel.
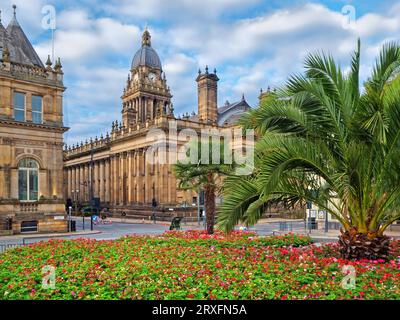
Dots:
pixel 308 217
pixel 69 219
pixel 326 221
pixel 75 195
pixel 198 207
pixel 91 184
pixel 154 206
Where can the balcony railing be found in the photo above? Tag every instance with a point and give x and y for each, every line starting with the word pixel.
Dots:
pixel 28 207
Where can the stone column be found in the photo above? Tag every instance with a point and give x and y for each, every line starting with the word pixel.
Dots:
pixel 71 182
pixel 74 179
pixel 94 179
pixel 139 175
pixel 145 174
pixel 98 181
pixel 137 109
pixel 116 173
pixel 171 185
pixel 134 173
pixel 98 178
pixel 81 185
pixel 87 182
pixel 161 185
pixel 68 184
pixel 111 179
pixel 166 183
pixel 107 187
pixel 156 179
pixel 147 185
pixel 130 177
pixel 101 184
pixel 122 176
pixel 152 109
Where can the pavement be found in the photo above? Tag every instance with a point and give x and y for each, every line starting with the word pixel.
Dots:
pixel 120 228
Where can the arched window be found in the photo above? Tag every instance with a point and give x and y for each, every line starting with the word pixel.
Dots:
pixel 28 180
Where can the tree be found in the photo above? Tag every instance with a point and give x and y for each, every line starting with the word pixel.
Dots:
pixel 204 174
pixel 325 140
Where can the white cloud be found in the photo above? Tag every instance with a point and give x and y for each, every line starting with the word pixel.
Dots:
pixel 249 53
pixel 374 24
pixel 177 10
pixel 90 38
pixel 28 14
pixel 75 19
pixel 179 63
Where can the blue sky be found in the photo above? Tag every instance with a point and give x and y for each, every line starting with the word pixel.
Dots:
pixel 253 44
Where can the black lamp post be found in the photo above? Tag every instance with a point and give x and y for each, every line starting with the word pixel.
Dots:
pixel 91 185
pixel 154 206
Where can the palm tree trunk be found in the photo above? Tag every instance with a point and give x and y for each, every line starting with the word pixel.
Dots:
pixel 209 199
pixel 355 245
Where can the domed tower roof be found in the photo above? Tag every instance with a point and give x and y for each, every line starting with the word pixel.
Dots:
pixel 146 55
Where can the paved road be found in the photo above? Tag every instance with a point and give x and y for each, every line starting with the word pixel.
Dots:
pixel 117 230
pixel 268 228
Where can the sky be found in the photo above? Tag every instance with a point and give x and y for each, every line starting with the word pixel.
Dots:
pixel 253 44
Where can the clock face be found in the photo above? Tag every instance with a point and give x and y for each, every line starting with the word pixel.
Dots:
pixel 152 76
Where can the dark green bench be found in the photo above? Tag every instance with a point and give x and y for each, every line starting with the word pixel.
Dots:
pixel 176 223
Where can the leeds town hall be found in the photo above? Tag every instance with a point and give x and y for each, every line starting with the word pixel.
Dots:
pixel 38 177
pixel 122 177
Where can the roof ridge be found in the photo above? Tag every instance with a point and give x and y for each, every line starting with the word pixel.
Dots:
pixel 21 43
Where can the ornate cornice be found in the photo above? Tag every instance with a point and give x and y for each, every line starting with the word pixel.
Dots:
pixel 12 123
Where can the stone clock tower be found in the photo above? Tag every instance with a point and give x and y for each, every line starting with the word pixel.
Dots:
pixel 146 95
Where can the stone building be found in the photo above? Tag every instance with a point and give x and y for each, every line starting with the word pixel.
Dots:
pixel 115 167
pixel 31 137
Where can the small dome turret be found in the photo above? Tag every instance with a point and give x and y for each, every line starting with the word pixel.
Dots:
pixel 146 55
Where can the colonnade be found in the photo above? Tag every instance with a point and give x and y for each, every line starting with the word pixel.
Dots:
pixel 124 178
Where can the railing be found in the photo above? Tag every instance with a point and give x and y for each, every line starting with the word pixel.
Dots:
pixel 28 207
pixel 5 247
pixel 31 70
pixel 25 241
pixel 290 226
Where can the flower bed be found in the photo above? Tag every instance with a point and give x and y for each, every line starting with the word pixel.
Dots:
pixel 193 265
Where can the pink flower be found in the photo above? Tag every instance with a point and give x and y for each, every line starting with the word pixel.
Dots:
pixel 73 293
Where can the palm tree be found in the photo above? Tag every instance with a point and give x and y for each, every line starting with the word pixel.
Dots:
pixel 203 175
pixel 325 140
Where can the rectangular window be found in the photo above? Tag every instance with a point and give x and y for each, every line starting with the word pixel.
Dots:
pixel 23 185
pixel 19 106
pixel 29 226
pixel 37 109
